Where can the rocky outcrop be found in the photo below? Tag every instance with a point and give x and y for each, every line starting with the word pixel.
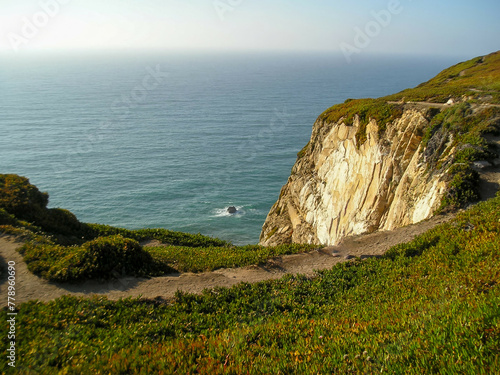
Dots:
pixel 339 188
pixel 384 163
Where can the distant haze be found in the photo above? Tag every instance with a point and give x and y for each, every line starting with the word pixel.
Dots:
pixel 458 28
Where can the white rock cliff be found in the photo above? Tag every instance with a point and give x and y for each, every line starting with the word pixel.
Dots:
pixel 338 189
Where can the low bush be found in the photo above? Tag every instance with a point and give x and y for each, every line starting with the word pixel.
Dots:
pixel 102 258
pixel 7 219
pixel 20 198
pixel 463 187
pixel 115 255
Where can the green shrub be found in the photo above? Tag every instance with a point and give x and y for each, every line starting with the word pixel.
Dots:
pixel 60 221
pixel 114 254
pixel 7 219
pixel 20 198
pixel 463 188
pixel 101 258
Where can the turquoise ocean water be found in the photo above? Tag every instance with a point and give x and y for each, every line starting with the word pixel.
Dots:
pixel 171 140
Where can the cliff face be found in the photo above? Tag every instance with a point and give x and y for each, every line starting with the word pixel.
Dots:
pixel 342 186
pixel 337 189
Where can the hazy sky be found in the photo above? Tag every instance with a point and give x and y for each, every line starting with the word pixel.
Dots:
pixel 446 27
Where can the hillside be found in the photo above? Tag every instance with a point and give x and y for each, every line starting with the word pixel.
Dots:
pixel 384 163
pixel 429 306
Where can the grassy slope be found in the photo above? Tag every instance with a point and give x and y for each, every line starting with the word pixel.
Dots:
pixel 478 79
pixel 60 248
pixel 429 306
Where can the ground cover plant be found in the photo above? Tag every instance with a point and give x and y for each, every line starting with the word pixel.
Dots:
pixel 478 78
pixel 429 306
pixel 198 259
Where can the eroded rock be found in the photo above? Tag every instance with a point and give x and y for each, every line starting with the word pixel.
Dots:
pixel 338 189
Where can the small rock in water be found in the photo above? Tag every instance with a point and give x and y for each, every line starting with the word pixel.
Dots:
pixel 232 210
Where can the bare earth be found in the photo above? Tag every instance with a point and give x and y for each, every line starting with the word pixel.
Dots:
pixel 30 287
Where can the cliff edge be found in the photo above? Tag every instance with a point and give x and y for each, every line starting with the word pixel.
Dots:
pixel 384 163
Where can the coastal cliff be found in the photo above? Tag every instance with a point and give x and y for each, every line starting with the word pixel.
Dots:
pixel 384 163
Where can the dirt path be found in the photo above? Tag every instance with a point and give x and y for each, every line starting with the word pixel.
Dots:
pixel 489 183
pixel 425 105
pixel 29 286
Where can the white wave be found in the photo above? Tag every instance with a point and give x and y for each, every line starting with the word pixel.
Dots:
pixel 221 212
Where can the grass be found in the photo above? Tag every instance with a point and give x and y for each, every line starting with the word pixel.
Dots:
pixel 429 306
pixel 186 259
pixel 477 78
pixel 365 110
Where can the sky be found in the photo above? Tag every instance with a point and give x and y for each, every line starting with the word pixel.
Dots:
pixel 438 27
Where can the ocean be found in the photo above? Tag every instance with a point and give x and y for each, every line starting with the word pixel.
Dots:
pixel 170 140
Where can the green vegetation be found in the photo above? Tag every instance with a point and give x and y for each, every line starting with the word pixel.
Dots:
pixel 302 152
pixel 189 259
pixel 465 129
pixel 478 79
pixel 103 257
pixel 60 248
pixel 429 306
pixel 365 110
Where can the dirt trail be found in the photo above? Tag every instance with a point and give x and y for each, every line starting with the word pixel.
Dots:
pixel 29 286
pixel 425 105
pixel 489 183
